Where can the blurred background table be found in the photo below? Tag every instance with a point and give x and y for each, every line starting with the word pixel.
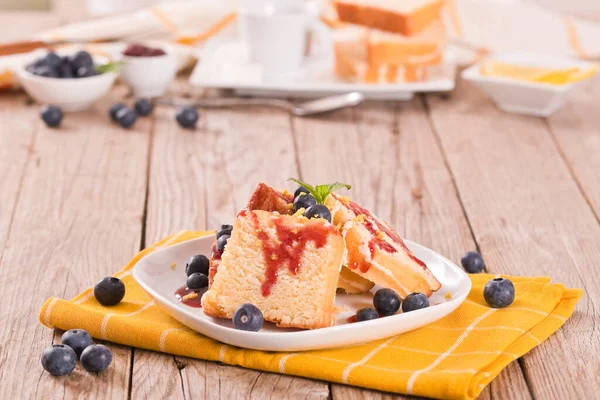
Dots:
pixel 451 172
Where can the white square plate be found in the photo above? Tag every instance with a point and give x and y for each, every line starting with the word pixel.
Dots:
pixel 155 275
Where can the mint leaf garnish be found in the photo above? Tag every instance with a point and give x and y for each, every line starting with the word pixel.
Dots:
pixel 320 192
pixel 112 66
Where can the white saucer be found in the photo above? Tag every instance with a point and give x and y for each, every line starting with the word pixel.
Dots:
pixel 155 275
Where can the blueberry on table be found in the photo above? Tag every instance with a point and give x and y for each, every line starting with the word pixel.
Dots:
pixel 114 109
pixel 499 292
pixel 366 314
pixel 144 107
pixel 52 116
pixel 96 358
pixel 125 117
pixel 301 189
pixel 187 117
pixel 222 242
pixel 77 339
pixel 304 201
pixel 81 59
pixel 386 302
pixel 415 301
pixel 472 262
pixel 318 211
pixel 197 263
pixel 225 230
pixel 109 291
pixel 59 360
pixel 197 281
pixel 248 318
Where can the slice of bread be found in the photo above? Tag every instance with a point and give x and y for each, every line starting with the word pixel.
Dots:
pixel 286 265
pixel 406 17
pixel 376 252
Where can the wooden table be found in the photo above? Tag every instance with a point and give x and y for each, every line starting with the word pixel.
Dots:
pixel 451 172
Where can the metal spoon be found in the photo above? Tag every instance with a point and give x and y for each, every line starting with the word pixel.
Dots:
pixel 312 107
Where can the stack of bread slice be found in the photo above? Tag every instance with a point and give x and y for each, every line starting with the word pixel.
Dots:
pixel 388 41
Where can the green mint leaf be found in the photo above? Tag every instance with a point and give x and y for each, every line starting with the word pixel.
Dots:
pixel 112 66
pixel 320 192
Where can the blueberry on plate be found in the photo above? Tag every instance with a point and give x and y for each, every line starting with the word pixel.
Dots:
pixel 248 318
pixel 225 230
pixel 52 116
pixel 222 242
pixel 81 59
pixel 187 117
pixel 304 201
pixel 386 302
pixel 96 358
pixel 197 263
pixel 197 281
pixel 499 292
pixel 109 291
pixel 301 189
pixel 85 71
pixel 472 262
pixel 114 109
pixel 415 301
pixel 366 314
pixel 144 107
pixel 59 360
pixel 125 117
pixel 318 211
pixel 77 339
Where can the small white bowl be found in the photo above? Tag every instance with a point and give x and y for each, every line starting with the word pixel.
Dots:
pixel 68 94
pixel 149 76
pixel 523 97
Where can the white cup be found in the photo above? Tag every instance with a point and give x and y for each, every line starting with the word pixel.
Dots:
pixel 276 33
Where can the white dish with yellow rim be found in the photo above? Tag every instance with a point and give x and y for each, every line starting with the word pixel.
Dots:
pixel 539 89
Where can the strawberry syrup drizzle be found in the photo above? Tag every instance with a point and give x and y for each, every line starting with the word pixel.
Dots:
pixel 196 302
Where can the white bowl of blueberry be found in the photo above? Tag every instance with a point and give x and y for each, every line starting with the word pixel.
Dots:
pixel 148 71
pixel 72 81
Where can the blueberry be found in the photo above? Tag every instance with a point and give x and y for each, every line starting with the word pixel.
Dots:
pixel 197 281
pixel 318 211
pixel 109 291
pixel 125 117
pixel 52 116
pixel 187 117
pixel 85 71
pixel 114 109
pixel 81 59
pixel 225 230
pixel 366 314
pixel 144 107
pixel 499 292
pixel 222 242
pixel 45 71
pixel 64 71
pixel 248 318
pixel 198 263
pixel 472 262
pixel 386 302
pixel 301 189
pixel 96 358
pixel 415 301
pixel 77 339
pixel 52 60
pixel 304 201
pixel 59 360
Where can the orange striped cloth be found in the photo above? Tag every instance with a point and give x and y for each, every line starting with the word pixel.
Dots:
pixel 453 358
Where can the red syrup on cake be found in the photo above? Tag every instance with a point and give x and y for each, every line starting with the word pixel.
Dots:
pixel 288 247
pixel 186 296
pixel 359 260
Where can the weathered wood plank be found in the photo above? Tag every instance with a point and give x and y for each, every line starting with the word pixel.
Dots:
pixel 529 218
pixel 576 129
pixel 390 155
pixel 200 179
pixel 78 219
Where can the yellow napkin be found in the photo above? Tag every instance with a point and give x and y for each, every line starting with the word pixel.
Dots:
pixel 454 358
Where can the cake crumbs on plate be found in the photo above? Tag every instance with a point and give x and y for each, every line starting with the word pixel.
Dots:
pixel 189 296
pixel 448 296
pixel 173 266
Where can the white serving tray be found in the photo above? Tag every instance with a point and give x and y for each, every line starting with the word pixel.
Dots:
pixel 223 64
pixel 155 275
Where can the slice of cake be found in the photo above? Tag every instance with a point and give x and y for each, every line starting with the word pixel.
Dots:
pixel 406 17
pixel 286 265
pixel 376 252
pixel 352 283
